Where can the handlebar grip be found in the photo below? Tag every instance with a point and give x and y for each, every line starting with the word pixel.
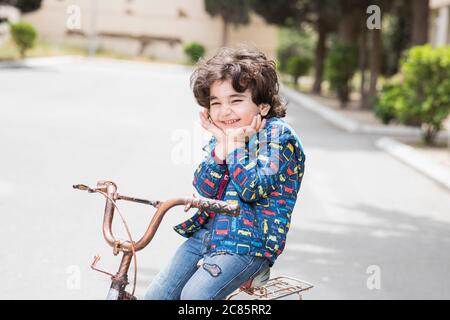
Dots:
pixel 216 206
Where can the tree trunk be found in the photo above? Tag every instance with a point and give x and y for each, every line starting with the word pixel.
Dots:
pixel 347 34
pixel 348 28
pixel 420 12
pixel 224 32
pixel 320 57
pixel 362 55
pixel 375 65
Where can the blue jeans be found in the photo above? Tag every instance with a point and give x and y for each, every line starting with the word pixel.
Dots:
pixel 219 276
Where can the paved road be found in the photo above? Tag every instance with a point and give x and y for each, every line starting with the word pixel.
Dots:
pixel 80 122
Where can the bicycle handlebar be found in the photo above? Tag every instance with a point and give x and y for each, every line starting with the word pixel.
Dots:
pixel 110 189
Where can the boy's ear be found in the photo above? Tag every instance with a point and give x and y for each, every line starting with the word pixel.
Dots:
pixel 264 109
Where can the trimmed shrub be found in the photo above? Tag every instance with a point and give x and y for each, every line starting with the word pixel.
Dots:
pixel 194 51
pixel 24 36
pixel 386 103
pixel 340 66
pixel 298 66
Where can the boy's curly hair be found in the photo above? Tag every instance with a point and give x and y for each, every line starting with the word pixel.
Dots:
pixel 247 69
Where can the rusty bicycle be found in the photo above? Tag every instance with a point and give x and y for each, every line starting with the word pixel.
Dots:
pixel 259 287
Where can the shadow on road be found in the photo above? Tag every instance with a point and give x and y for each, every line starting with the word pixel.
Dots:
pixel 411 252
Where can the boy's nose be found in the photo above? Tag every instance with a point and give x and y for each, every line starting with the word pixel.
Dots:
pixel 226 110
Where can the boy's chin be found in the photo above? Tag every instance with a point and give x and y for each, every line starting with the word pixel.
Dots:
pixel 232 127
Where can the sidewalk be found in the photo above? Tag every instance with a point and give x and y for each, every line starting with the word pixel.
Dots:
pixel 362 123
pixel 399 141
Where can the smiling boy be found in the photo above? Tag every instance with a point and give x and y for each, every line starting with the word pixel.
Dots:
pixel 254 159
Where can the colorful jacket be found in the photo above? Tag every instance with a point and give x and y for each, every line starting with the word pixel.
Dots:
pixel 264 178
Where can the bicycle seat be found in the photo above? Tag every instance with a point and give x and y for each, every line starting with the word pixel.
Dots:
pixel 257 281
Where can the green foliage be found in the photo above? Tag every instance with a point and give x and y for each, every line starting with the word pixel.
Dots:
pixel 24 36
pixel 426 74
pixel 232 11
pixel 194 51
pixel 423 97
pixel 298 66
pixel 340 66
pixel 25 6
pixel 294 42
pixel 386 103
pixel 396 35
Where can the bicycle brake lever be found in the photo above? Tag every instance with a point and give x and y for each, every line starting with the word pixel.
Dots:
pixel 83 187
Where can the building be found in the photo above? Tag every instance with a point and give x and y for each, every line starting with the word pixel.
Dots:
pixel 157 29
pixel 7 13
pixel 439 22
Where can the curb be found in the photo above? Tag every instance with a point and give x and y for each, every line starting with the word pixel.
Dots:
pixel 414 159
pixel 350 125
pixel 318 108
pixel 56 60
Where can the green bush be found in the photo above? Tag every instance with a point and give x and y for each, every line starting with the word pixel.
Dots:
pixel 423 97
pixel 386 102
pixel 298 66
pixel 340 66
pixel 24 36
pixel 426 73
pixel 284 53
pixel 194 51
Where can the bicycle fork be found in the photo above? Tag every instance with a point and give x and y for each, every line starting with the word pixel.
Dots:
pixel 120 280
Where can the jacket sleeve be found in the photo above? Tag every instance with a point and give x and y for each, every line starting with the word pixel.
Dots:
pixel 258 177
pixel 209 174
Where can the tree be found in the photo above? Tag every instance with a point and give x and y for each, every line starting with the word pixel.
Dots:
pixel 25 6
pixel 294 14
pixel 235 12
pixel 420 13
pixel 370 41
pixel 396 35
pixel 325 17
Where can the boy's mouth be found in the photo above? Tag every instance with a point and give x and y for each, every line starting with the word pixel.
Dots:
pixel 230 122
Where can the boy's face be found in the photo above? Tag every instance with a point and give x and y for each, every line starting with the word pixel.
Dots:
pixel 231 109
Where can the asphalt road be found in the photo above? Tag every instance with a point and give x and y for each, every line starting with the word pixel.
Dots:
pixel 365 226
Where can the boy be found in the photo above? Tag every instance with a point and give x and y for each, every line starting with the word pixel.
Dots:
pixel 254 159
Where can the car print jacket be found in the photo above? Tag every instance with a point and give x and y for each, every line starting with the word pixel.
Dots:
pixel 264 178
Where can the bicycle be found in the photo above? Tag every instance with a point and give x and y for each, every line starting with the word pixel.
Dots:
pixel 261 287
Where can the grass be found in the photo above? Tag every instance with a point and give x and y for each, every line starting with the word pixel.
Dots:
pixel 8 51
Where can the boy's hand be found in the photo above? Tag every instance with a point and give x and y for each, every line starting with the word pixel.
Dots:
pixel 209 125
pixel 232 138
pixel 237 138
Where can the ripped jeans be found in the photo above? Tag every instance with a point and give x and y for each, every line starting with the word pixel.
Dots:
pixel 219 276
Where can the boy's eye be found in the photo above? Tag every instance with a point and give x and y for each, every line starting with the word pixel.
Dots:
pixel 236 101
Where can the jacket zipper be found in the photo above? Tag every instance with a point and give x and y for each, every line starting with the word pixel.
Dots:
pixel 222 184
pixel 219 197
